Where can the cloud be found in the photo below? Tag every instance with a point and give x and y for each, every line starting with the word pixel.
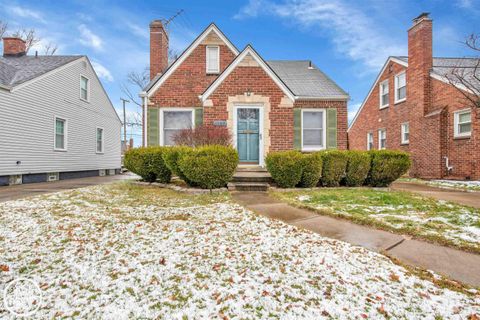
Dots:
pixel 473 6
pixel 138 31
pixel 27 13
pixel 352 111
pixel 102 72
pixel 89 39
pixel 354 33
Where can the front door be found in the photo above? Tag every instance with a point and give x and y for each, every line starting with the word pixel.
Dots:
pixel 248 135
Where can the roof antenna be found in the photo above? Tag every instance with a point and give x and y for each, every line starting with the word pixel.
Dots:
pixel 167 21
pixel 310 64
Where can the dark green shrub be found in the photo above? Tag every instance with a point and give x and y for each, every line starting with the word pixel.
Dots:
pixel 171 156
pixel 387 166
pixel 148 163
pixel 209 167
pixel 334 165
pixel 358 167
pixel 285 167
pixel 311 170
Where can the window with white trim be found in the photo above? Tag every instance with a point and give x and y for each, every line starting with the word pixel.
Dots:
pixel 405 131
pixel 370 141
pixel 400 87
pixel 99 140
pixel 84 88
pixel 384 94
pixel 382 139
pixel 462 123
pixel 174 121
pixel 60 137
pixel 313 129
pixel 213 59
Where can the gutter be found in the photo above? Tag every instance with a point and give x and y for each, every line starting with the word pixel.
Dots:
pixel 5 87
pixel 343 97
pixel 144 96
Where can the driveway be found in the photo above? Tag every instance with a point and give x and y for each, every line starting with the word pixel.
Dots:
pixel 31 189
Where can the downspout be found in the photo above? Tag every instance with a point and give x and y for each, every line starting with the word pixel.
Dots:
pixel 144 97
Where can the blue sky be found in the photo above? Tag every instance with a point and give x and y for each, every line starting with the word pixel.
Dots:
pixel 349 40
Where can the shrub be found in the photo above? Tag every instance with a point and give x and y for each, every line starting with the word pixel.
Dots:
pixel 311 170
pixel 209 167
pixel 148 163
pixel 387 166
pixel 285 167
pixel 358 167
pixel 171 156
pixel 333 169
pixel 203 135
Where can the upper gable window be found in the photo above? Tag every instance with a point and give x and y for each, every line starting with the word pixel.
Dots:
pixel 384 94
pixel 84 88
pixel 213 59
pixel 400 87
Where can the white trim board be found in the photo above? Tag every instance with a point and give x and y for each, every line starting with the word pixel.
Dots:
pixel 248 50
pixel 187 52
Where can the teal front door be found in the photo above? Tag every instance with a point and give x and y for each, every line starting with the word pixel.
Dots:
pixel 248 135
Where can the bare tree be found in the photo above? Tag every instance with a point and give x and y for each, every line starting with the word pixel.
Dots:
pixel 30 37
pixel 466 76
pixel 137 80
pixel 3 28
pixel 49 49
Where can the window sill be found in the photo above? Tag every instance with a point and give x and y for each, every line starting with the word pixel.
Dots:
pixel 313 149
pixel 216 73
pixel 400 101
pixel 87 101
pixel 462 137
pixel 59 150
pixel 405 143
pixel 384 107
pixel 100 152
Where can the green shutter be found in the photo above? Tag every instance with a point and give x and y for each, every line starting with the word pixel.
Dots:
pixel 152 127
pixel 297 129
pixel 331 128
pixel 198 116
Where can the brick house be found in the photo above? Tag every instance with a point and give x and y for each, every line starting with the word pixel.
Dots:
pixel 266 105
pixel 412 106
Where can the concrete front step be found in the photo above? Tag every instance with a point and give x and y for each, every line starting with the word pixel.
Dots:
pixel 252 177
pixel 248 186
pixel 251 169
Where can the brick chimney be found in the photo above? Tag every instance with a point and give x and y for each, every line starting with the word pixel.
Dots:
pixel 14 47
pixel 420 62
pixel 158 48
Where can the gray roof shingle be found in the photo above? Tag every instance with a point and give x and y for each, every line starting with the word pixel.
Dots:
pixel 17 70
pixel 305 81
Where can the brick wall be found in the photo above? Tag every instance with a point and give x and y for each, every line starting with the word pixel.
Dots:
pixel 13 46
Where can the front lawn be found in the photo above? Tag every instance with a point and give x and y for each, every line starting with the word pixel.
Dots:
pixel 397 211
pixel 125 251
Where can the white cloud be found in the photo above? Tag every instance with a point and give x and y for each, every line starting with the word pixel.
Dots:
pixel 352 111
pixel 138 30
pixel 89 39
pixel 354 33
pixel 26 13
pixel 102 72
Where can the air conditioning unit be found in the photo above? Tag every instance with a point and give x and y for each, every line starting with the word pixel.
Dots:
pixel 111 172
pixel 15 179
pixel 102 172
pixel 53 176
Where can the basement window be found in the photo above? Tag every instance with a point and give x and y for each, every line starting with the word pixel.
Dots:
pixel 400 87
pixel 382 139
pixel 213 59
pixel 384 94
pixel 462 123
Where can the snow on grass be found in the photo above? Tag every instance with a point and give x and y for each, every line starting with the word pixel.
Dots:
pixel 99 252
pixel 448 184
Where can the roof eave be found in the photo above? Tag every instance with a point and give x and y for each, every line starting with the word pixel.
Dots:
pixel 6 88
pixel 334 98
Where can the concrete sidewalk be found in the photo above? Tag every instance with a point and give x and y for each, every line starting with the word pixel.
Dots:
pixel 467 198
pixel 31 189
pixel 455 264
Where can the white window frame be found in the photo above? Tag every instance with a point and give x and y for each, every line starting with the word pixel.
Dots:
pixel 208 68
pixel 103 140
pixel 381 93
pixel 324 133
pixel 456 118
pixel 88 88
pixel 65 133
pixel 380 139
pixel 403 131
pixel 161 117
pixel 370 135
pixel 396 87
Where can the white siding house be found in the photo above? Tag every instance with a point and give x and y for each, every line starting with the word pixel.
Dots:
pixel 51 106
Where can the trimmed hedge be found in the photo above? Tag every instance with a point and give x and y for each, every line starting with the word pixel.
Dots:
pixel 209 167
pixel 148 163
pixel 358 167
pixel 171 156
pixel 311 170
pixel 387 166
pixel 285 167
pixel 334 167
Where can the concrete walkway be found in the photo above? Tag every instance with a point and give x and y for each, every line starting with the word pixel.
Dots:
pixel 454 264
pixel 468 198
pixel 31 189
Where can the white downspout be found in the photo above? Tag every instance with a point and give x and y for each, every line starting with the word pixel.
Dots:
pixel 144 97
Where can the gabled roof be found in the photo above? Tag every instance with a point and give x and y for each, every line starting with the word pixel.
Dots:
pixel 306 80
pixel 248 51
pixel 17 70
pixel 157 81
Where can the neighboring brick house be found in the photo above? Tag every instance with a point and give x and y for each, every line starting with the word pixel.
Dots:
pixel 266 105
pixel 412 106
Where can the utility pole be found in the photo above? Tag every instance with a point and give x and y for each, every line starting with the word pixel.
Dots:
pixel 124 122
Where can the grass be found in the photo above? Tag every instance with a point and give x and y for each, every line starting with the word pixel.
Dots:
pixel 400 212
